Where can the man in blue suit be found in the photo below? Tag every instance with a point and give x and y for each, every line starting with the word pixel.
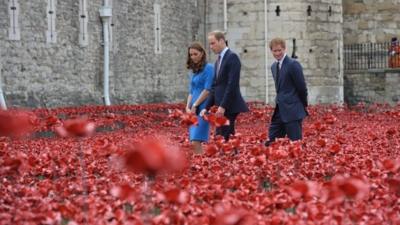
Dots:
pixel 225 92
pixel 291 95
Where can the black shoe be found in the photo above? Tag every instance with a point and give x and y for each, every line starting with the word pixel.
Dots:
pixel 235 151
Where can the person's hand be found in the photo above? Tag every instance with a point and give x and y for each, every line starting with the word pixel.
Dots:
pixel 203 112
pixel 193 109
pixel 187 109
pixel 220 111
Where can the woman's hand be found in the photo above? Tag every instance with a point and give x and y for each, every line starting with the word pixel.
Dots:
pixel 187 109
pixel 203 112
pixel 220 111
pixel 193 109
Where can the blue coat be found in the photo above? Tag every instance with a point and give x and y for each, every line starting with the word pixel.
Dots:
pixel 291 90
pixel 225 90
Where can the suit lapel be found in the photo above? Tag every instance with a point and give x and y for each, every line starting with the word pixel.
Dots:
pixel 282 72
pixel 274 72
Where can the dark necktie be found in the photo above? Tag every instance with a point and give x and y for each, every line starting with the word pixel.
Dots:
pixel 277 72
pixel 218 62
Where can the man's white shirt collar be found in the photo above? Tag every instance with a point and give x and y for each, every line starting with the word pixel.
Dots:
pixel 281 61
pixel 223 53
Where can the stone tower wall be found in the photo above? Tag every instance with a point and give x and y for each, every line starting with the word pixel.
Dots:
pixel 318 38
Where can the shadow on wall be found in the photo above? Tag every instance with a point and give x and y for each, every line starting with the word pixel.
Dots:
pixel 151 97
pixel 369 87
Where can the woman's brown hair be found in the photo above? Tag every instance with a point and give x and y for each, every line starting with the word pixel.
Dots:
pixel 190 64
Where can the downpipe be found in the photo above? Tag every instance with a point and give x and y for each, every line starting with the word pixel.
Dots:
pixel 105 15
pixel 225 16
pixel 266 51
pixel 2 100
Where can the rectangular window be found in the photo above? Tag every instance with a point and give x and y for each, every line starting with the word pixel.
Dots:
pixel 13 11
pixel 83 22
pixel 157 28
pixel 51 34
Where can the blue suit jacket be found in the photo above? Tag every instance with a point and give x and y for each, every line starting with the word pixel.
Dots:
pixel 291 90
pixel 225 91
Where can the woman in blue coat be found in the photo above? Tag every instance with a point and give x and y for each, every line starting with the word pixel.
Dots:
pixel 201 78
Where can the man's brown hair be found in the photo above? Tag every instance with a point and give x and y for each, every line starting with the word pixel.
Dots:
pixel 217 34
pixel 277 41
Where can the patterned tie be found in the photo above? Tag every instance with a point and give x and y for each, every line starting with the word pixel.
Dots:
pixel 218 62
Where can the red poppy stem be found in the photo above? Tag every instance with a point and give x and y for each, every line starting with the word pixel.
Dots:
pixel 146 194
pixel 81 157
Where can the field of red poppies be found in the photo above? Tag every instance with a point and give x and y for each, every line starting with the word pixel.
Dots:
pixel 134 165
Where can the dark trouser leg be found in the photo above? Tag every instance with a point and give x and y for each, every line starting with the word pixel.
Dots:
pixel 226 131
pixel 276 128
pixel 294 130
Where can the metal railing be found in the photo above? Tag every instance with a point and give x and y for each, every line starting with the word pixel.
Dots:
pixel 371 56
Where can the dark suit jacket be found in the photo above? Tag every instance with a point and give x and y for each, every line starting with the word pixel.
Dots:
pixel 225 91
pixel 291 90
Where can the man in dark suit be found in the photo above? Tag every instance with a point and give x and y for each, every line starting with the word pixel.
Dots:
pixel 291 95
pixel 225 92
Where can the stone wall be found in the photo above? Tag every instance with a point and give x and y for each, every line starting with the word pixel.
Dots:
pixel 370 20
pixel 38 74
pixel 372 86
